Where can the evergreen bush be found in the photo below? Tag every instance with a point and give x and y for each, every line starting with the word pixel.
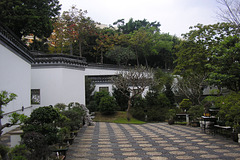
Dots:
pixel 138 108
pixel 108 105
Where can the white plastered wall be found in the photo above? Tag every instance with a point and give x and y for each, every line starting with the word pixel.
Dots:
pixel 59 85
pixel 95 71
pixel 15 78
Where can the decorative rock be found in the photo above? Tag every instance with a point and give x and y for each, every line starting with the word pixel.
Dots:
pixel 88 118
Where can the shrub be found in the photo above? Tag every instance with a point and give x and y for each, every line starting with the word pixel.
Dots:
pixel 229 109
pixel 3 151
pixel 169 94
pixel 99 95
pixel 196 112
pixel 75 119
pixel 43 120
pixel 108 105
pixel 158 106
pixel 185 105
pixel 121 99
pixel 138 108
pixel 92 106
pixel 37 144
pixel 60 106
pixel 19 152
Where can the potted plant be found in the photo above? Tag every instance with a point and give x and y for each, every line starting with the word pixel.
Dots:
pixel 230 112
pixel 195 113
pixel 40 131
pixel 171 115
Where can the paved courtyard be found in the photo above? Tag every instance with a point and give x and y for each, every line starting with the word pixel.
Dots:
pixel 157 141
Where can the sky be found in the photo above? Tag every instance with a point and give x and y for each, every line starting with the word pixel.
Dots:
pixel 175 16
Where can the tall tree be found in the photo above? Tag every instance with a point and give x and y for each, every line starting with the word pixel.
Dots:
pixel 73 27
pixel 142 43
pixel 105 42
pixel 121 55
pixel 191 86
pixel 225 66
pixel 198 54
pixel 163 50
pixel 26 17
pixel 132 25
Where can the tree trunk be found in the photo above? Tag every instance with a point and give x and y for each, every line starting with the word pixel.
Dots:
pixel 101 57
pixel 128 109
pixel 146 62
pixel 80 47
pixel 71 49
pixel 137 58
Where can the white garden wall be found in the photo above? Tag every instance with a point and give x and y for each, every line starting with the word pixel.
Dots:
pixel 15 78
pixel 59 85
pixel 97 70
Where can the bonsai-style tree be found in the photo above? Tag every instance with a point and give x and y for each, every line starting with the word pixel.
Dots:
pixel 185 105
pixel 43 120
pixel 40 131
pixel 135 81
pixel 5 98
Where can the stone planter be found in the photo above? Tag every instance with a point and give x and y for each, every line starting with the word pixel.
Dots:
pixel 235 136
pixel 170 121
pixel 238 138
pixel 59 151
pixel 195 124
pixel 74 133
pixel 69 140
pixel 15 138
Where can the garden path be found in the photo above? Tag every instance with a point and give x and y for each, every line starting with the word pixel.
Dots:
pixel 110 141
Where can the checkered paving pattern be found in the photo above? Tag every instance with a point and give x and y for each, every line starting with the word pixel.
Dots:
pixel 156 141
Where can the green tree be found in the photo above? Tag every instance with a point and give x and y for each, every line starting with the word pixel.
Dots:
pixel 225 66
pixel 26 17
pixel 120 97
pixel 157 104
pixel 105 42
pixel 132 25
pixel 196 58
pixel 121 55
pixel 142 43
pixel 185 105
pixel 197 49
pixel 163 49
pixel 78 28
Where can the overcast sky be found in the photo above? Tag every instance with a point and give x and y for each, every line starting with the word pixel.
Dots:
pixel 175 16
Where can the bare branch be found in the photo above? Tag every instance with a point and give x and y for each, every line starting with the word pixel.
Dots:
pixel 231 11
pixel 135 81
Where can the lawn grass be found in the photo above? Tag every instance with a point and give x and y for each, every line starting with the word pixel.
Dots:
pixel 118 117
